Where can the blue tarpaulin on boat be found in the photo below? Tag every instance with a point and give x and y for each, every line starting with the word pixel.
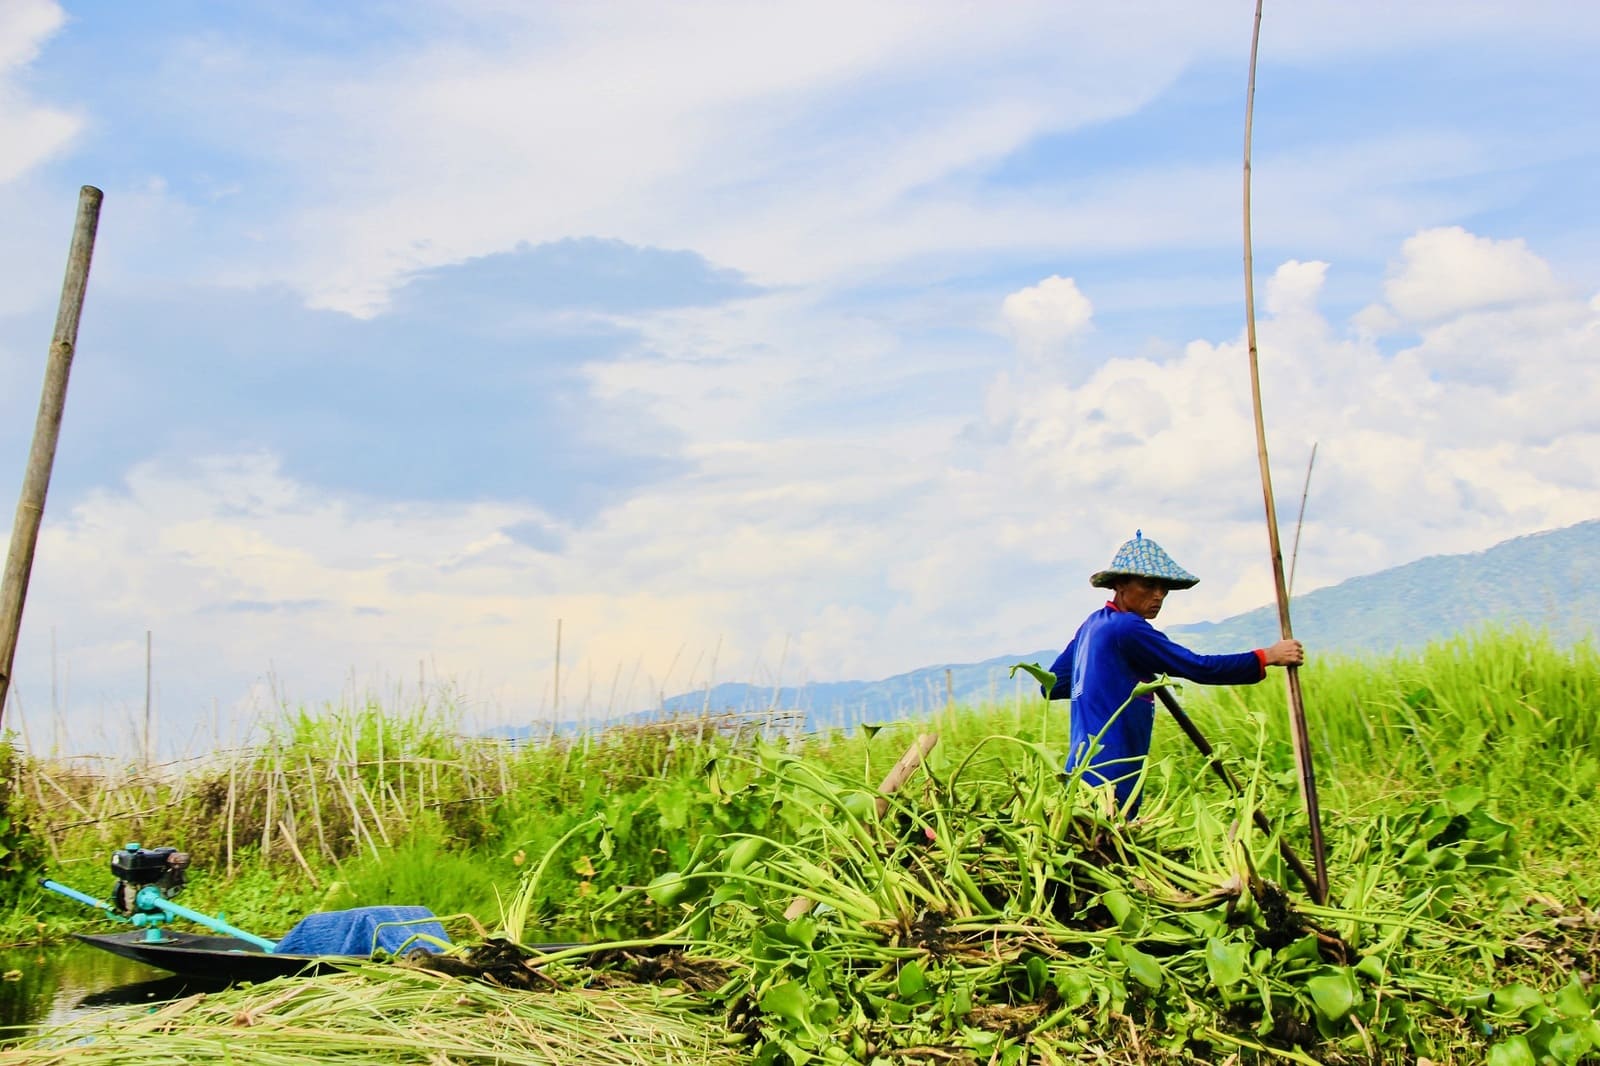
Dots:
pixel 360 931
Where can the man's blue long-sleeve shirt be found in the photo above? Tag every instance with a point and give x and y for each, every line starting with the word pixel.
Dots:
pixel 1112 651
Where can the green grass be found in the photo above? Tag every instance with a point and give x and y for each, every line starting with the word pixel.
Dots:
pixel 394 806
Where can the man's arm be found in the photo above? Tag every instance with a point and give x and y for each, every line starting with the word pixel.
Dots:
pixel 1149 651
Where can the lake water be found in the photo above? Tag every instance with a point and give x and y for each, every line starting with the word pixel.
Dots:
pixel 50 985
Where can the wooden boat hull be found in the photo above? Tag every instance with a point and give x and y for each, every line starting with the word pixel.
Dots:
pixel 222 959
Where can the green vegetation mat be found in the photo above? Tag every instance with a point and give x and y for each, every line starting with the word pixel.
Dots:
pixel 761 908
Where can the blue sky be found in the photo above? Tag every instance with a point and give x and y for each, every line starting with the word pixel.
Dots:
pixel 760 342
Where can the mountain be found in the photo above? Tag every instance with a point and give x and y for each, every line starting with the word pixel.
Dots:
pixel 1548 581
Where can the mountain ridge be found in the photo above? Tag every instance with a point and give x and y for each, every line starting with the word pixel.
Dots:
pixel 1548 581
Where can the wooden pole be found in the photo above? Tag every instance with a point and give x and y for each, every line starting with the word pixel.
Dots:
pixel 1192 731
pixel 46 431
pixel 148 759
pixel 1297 712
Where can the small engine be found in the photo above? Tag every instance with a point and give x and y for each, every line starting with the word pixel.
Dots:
pixel 135 867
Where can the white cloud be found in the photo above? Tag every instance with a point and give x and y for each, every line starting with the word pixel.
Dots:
pixel 839 548
pixel 31 132
pixel 1448 271
pixel 1044 317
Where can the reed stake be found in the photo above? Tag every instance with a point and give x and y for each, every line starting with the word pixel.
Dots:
pixel 294 849
pixel 233 783
pixel 316 809
pixel 46 432
pixel 1297 712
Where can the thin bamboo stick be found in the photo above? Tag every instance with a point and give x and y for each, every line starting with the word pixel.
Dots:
pixel 266 822
pixel 294 849
pixel 316 809
pixel 1297 713
pixel 233 780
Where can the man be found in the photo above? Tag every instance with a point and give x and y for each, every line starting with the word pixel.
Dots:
pixel 1117 647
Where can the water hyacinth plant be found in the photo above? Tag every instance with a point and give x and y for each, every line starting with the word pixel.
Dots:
pixel 1006 918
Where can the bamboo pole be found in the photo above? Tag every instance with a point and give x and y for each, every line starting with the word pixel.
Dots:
pixel 1262 823
pixel 46 432
pixel 1297 712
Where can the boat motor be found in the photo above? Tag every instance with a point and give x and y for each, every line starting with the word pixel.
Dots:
pixel 135 867
pixel 147 879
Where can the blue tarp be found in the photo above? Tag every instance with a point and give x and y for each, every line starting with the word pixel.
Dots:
pixel 359 931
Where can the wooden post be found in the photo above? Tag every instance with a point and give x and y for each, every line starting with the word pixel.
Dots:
pixel 148 752
pixel 1297 711
pixel 46 431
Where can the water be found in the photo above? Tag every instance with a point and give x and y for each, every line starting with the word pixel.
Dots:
pixel 57 984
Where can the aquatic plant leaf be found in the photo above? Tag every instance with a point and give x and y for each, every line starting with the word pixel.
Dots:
pixel 790 1002
pixel 1225 961
pixel 912 982
pixel 1513 1051
pixel 1571 1002
pixel 1335 994
pixel 1046 679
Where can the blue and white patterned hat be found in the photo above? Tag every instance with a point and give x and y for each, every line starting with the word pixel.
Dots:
pixel 1144 558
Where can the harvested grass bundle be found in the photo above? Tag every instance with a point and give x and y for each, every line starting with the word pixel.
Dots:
pixel 391 1014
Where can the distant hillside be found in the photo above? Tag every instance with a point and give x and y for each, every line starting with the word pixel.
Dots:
pixel 1549 581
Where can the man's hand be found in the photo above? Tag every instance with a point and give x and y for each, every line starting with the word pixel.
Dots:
pixel 1286 653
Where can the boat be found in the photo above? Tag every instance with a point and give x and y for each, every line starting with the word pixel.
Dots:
pixel 148 878
pixel 212 958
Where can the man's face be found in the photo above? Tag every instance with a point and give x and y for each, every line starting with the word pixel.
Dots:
pixel 1141 596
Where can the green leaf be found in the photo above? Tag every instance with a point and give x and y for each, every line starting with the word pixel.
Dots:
pixel 1141 967
pixel 1567 1047
pixel 1463 798
pixel 1371 967
pixel 1513 1051
pixel 1046 679
pixel 1571 1002
pixel 912 983
pixel 1121 908
pixel 1334 994
pixel 1144 688
pixel 790 1002
pixel 1075 988
pixel 1515 999
pixel 801 931
pixel 1225 962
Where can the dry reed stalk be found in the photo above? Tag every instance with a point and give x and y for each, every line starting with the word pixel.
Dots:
pixel 316 808
pixel 233 783
pixel 357 826
pixel 294 849
pixel 372 808
pixel 46 829
pixel 288 794
pixel 266 823
pixel 69 797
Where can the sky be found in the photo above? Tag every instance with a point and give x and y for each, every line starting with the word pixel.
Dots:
pixel 758 342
